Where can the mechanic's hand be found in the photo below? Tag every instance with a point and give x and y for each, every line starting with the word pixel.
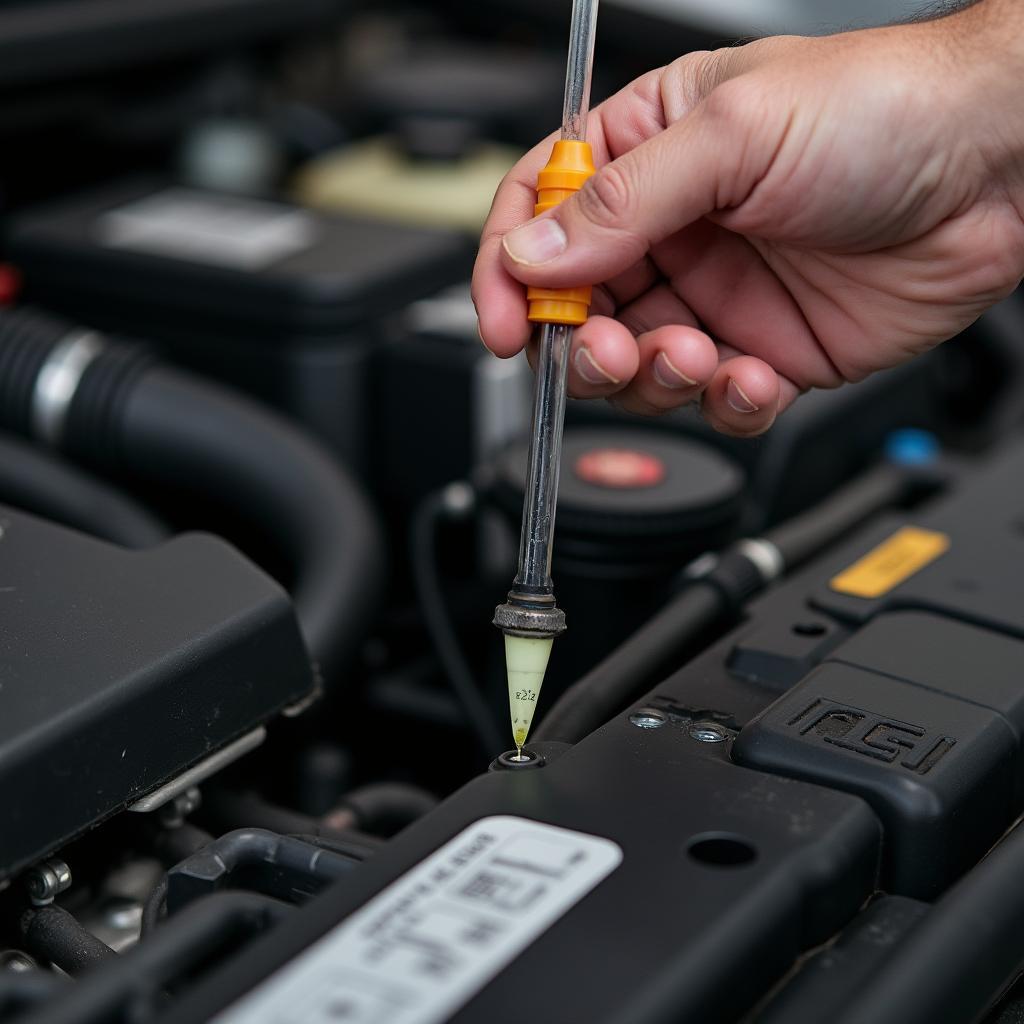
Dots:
pixel 790 214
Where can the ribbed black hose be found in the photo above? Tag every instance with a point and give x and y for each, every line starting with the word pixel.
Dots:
pixel 38 483
pixel 51 933
pixel 608 687
pixel 958 960
pixel 26 339
pixel 178 430
pixel 133 416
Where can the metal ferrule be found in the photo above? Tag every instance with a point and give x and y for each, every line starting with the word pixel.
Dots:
pixel 529 618
pixel 58 382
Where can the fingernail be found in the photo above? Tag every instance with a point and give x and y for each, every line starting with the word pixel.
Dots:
pixel 540 241
pixel 668 375
pixel 737 399
pixel 591 370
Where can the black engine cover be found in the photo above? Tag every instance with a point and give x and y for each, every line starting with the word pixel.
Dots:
pixel 119 669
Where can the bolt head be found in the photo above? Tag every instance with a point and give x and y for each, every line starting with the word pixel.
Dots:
pixel 647 718
pixel 708 732
pixel 47 880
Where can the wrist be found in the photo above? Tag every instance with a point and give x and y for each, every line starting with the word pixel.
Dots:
pixel 982 49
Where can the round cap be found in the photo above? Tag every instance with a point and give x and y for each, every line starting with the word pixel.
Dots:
pixel 620 467
pixel 632 483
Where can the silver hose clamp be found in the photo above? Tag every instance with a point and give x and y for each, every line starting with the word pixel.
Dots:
pixel 765 556
pixel 58 381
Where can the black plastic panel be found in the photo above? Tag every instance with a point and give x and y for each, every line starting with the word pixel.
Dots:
pixel 939 771
pixel 664 931
pixel 118 669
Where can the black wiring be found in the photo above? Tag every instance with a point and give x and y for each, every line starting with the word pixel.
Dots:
pixel 431 512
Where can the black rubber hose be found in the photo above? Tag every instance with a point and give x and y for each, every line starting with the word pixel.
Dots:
pixel 168 427
pixel 132 416
pixel 153 907
pixel 227 810
pixel 430 513
pixel 284 867
pixel 713 601
pixel 959 959
pixel 51 933
pixel 608 687
pixel 280 866
pixel 204 933
pixel 384 808
pixel 806 535
pixel 37 482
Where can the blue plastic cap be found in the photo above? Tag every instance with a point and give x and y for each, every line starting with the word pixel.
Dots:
pixel 911 447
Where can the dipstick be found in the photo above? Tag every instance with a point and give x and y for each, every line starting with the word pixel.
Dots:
pixel 531 618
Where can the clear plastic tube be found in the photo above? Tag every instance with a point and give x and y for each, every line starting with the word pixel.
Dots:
pixel 544 459
pixel 555 345
pixel 578 73
pixel 531 619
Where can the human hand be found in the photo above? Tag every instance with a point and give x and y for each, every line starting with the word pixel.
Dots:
pixel 790 214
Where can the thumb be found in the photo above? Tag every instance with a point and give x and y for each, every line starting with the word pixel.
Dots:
pixel 709 160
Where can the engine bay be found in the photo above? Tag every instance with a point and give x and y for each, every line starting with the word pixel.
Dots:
pixel 261 487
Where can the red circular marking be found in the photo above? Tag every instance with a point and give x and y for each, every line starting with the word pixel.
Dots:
pixel 620 467
pixel 10 284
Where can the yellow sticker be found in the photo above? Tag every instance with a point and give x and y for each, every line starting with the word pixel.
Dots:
pixel 894 560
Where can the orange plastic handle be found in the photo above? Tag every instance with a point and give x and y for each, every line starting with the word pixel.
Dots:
pixel 570 165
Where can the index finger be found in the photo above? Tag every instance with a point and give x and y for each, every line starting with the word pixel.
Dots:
pixel 616 126
pixel 500 300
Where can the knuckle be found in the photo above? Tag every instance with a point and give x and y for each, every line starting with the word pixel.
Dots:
pixel 607 199
pixel 733 104
pixel 709 71
pixel 688 80
pixel 490 238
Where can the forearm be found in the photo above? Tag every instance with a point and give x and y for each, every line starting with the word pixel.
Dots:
pixel 983 47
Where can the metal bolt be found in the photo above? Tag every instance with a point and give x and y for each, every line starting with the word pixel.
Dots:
pixel 47 880
pixel 174 812
pixel 708 732
pixel 648 718
pixel 16 962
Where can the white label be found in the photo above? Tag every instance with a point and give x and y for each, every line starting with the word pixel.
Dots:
pixel 227 231
pixel 429 942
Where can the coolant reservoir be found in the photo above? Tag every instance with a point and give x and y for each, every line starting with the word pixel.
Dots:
pixel 634 506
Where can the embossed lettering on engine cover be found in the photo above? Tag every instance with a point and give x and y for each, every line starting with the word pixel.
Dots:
pixel 872 735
